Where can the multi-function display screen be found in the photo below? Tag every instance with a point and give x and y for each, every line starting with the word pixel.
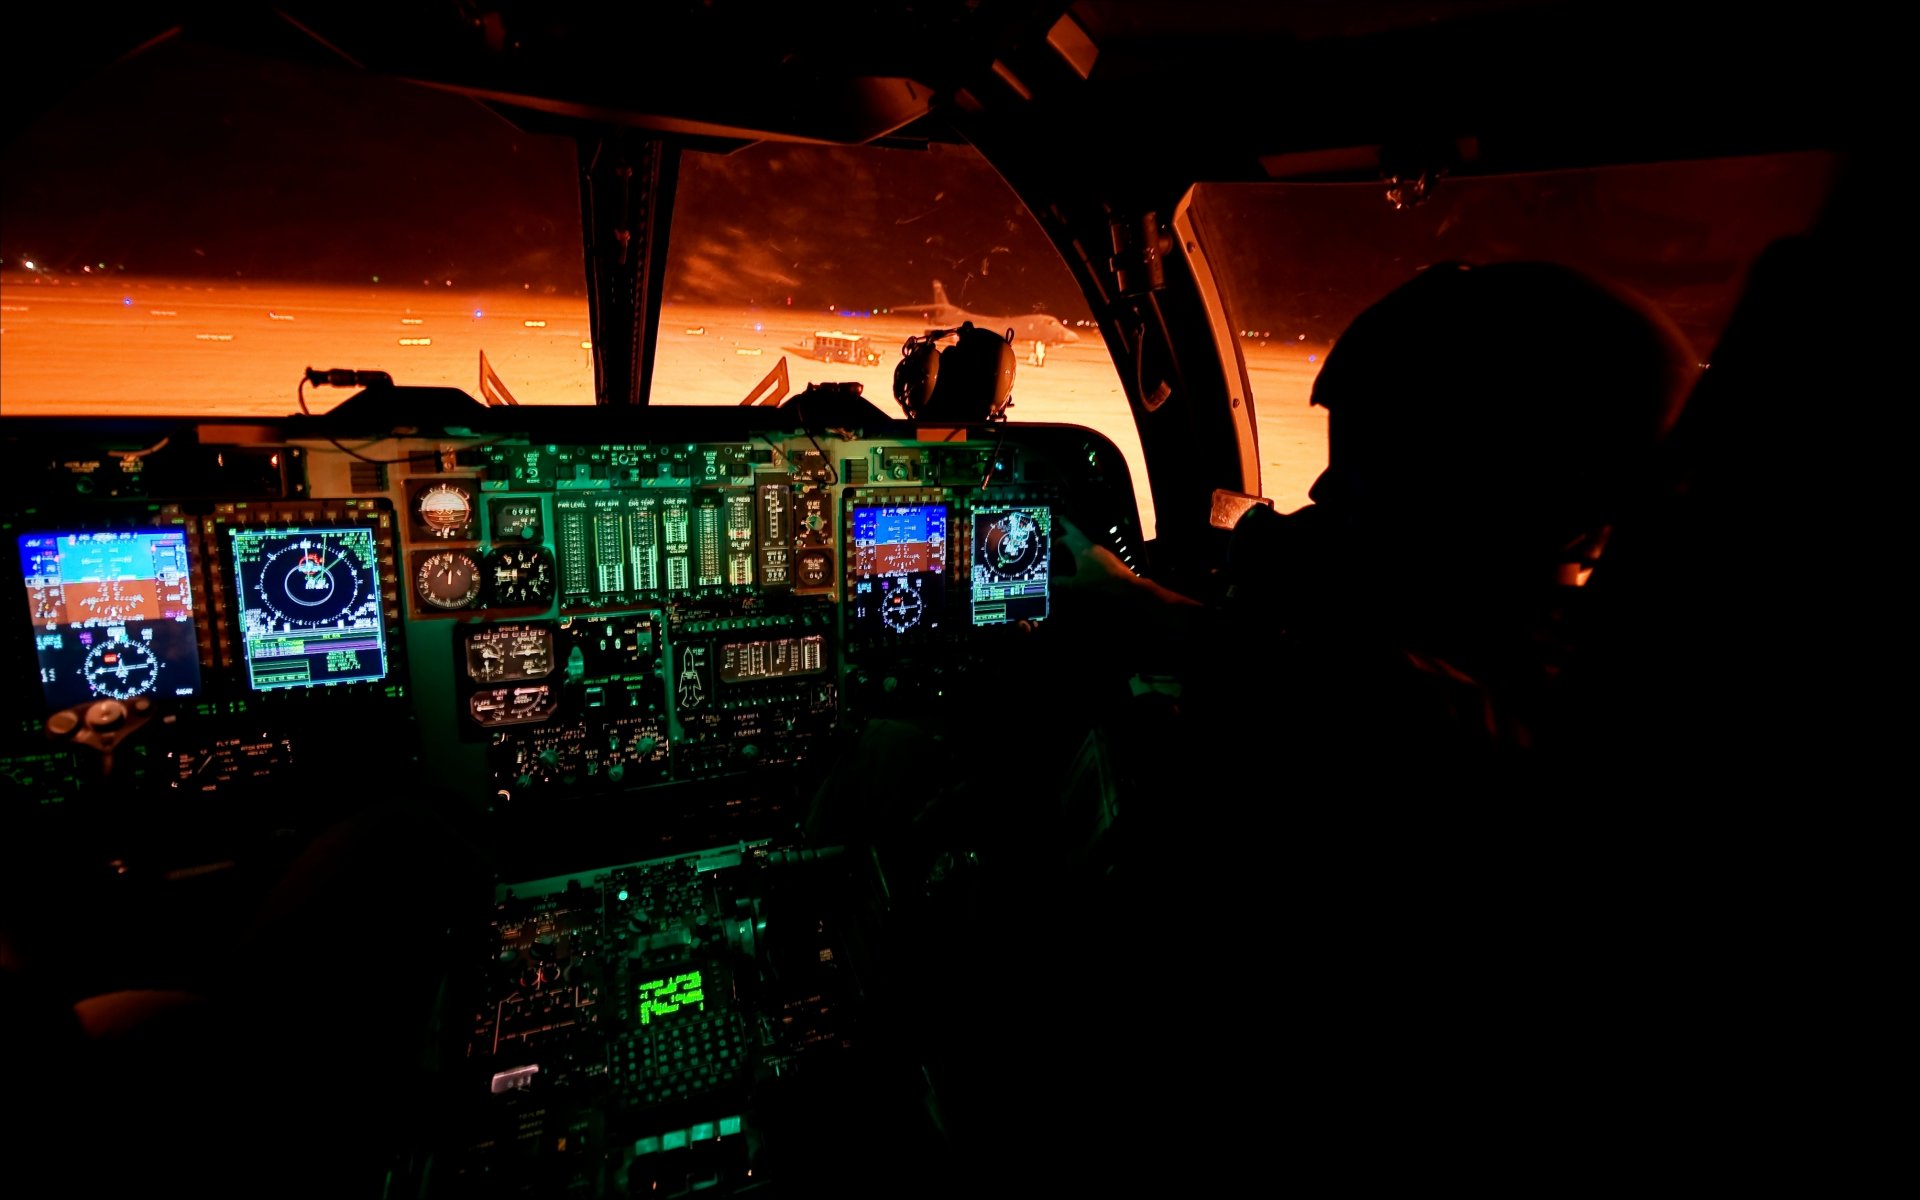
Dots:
pixel 112 614
pixel 309 604
pixel 1012 549
pixel 898 568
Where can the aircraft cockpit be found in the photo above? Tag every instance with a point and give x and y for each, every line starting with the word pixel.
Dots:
pixel 554 649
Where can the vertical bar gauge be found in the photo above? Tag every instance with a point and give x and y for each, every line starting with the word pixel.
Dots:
pixel 774 518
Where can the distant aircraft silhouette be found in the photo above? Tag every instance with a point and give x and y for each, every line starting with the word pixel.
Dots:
pixel 1031 327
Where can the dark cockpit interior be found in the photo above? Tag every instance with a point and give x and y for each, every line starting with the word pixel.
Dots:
pixel 420 790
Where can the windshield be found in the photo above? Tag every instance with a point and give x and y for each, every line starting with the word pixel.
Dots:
pixel 1298 261
pixel 191 230
pixel 818 262
pixel 199 226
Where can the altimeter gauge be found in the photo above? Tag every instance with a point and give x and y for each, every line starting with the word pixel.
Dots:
pixel 520 576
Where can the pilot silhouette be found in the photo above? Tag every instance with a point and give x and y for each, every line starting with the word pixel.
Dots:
pixel 1401 847
pixel 1485 425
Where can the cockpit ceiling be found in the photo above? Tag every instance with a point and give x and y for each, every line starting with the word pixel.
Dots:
pixel 1531 82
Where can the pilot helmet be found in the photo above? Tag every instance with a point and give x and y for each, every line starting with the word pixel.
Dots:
pixel 1513 405
pixel 971 380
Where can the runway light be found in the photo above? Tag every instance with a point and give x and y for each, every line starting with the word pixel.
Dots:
pixel 477 314
pixel 126 301
pixel 30 266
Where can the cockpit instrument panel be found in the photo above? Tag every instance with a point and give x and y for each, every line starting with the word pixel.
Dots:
pixel 113 614
pixel 543 617
pixel 309 606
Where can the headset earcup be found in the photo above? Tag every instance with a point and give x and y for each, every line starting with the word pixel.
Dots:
pixel 1003 376
pixel 914 379
pixel 976 378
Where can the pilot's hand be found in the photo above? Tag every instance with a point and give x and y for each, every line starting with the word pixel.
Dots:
pixel 1098 575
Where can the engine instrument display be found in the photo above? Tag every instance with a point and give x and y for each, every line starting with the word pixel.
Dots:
pixel 508 652
pixel 898 568
pixel 309 603
pixel 112 614
pixel 1012 548
pixel 774 658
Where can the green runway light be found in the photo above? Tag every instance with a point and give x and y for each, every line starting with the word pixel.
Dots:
pixel 621 895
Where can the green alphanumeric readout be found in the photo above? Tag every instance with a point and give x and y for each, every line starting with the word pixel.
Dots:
pixel 661 997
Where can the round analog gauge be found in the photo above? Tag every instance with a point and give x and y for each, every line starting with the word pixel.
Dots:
pixel 815 519
pixel 447 579
pixel 816 568
pixel 445 510
pixel 520 575
pixel 121 669
pixel 900 610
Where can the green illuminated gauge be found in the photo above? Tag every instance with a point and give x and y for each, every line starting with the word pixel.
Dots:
pixel 520 576
pixel 447 580
pixel 515 520
pixel 121 670
pixel 815 519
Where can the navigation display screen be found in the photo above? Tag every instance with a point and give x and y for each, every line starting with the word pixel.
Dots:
pixel 1012 549
pixel 309 606
pixel 112 614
